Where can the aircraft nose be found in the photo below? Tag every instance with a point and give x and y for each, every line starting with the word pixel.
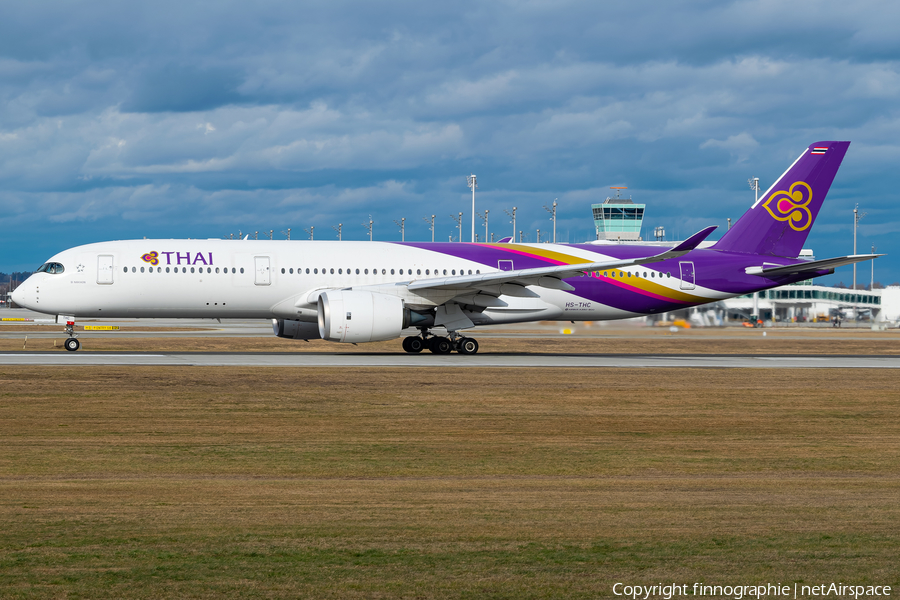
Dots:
pixel 24 295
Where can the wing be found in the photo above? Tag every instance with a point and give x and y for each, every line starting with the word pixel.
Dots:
pixel 513 282
pixel 811 267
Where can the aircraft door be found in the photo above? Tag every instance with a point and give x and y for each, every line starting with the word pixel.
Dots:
pixel 263 275
pixel 104 269
pixel 687 275
pixel 505 265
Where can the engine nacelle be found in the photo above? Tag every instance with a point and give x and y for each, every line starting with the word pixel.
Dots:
pixel 295 330
pixel 358 316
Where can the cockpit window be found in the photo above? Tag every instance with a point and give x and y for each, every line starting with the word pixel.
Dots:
pixel 51 267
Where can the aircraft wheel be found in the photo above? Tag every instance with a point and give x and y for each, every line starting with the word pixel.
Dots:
pixel 415 345
pixel 72 344
pixel 467 346
pixel 440 345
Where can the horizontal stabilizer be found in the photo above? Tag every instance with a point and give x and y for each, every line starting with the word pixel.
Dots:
pixel 809 266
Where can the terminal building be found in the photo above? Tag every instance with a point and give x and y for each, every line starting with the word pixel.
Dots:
pixel 805 303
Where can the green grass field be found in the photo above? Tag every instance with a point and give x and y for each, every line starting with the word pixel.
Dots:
pixel 428 483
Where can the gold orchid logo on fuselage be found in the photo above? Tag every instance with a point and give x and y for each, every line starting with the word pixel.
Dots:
pixel 792 206
pixel 151 257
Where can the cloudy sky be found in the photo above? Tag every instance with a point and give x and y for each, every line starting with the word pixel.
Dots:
pixel 202 119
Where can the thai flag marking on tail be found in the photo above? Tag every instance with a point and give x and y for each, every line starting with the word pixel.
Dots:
pixel 819 150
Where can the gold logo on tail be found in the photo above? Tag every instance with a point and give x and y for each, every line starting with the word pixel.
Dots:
pixel 792 206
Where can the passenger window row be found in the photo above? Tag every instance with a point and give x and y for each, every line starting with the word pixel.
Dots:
pixel 315 271
pixel 622 275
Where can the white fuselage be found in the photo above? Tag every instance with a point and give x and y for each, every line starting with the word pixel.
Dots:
pixel 269 279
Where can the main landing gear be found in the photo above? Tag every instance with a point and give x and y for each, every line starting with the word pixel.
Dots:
pixel 72 344
pixel 440 345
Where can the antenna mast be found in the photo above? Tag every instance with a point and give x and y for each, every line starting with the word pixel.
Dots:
pixel 512 215
pixel 857 217
pixel 472 184
pixel 432 226
pixel 459 225
pixel 552 212
pixel 402 225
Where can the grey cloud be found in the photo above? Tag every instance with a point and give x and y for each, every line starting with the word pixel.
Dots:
pixel 181 88
pixel 187 116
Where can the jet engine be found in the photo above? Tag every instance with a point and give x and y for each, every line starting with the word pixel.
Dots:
pixel 353 316
pixel 295 330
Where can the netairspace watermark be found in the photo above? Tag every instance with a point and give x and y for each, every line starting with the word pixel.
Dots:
pixel 739 592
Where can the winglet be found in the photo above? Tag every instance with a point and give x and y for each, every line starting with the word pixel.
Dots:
pixel 679 250
pixel 694 241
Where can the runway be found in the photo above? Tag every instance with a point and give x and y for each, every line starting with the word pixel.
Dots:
pixel 206 328
pixel 511 360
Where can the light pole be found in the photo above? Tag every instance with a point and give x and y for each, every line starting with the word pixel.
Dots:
pixel 552 212
pixel 369 227
pixel 472 184
pixel 857 216
pixel 288 233
pixel 484 217
pixel 459 224
pixel 512 215
pixel 338 229
pixel 872 284
pixel 431 227
pixel 538 236
pixel 402 225
pixel 754 185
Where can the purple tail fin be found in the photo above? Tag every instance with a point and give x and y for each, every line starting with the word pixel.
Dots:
pixel 779 222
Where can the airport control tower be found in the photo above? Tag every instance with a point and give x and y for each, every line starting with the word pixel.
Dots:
pixel 618 218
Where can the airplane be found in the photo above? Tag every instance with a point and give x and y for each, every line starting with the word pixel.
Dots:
pixel 355 292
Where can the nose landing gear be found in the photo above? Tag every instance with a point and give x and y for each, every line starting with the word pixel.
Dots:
pixel 72 344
